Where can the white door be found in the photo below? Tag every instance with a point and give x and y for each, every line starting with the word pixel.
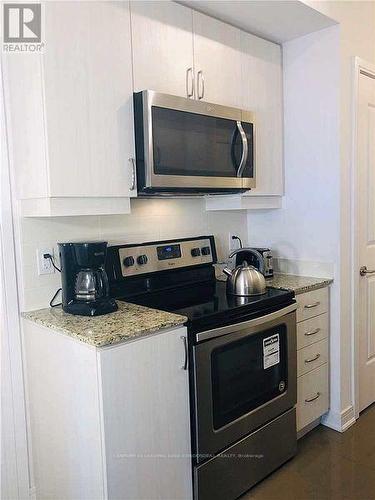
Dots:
pixel 366 238
pixel 217 61
pixel 162 41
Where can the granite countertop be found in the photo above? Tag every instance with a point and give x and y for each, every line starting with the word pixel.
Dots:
pixel 132 321
pixel 129 322
pixel 298 284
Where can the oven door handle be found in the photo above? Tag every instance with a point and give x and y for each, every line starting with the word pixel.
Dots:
pixel 225 330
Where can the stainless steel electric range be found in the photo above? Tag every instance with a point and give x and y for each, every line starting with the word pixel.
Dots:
pixel 242 360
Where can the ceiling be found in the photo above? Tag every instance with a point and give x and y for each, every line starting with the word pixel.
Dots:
pixel 275 20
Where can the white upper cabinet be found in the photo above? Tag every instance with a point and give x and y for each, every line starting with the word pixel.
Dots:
pixel 164 35
pixel 81 88
pixel 262 93
pixel 162 40
pixel 88 88
pixel 70 109
pixel 261 86
pixel 217 61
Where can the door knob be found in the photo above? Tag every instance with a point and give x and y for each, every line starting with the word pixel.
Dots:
pixel 363 271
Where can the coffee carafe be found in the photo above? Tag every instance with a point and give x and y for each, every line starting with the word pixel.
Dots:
pixel 85 288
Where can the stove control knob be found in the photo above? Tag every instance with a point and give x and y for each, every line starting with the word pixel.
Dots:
pixel 206 251
pixel 195 252
pixel 142 259
pixel 128 261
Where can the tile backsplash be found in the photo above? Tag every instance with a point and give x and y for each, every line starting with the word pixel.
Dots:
pixel 151 219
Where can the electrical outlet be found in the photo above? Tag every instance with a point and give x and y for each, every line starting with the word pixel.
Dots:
pixel 233 243
pixel 44 264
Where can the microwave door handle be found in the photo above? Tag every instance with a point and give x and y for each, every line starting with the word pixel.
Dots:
pixel 245 149
pixel 232 146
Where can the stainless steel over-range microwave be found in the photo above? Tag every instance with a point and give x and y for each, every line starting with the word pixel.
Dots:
pixel 184 146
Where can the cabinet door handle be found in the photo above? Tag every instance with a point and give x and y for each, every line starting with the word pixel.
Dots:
pixel 185 365
pixel 313 332
pixel 133 167
pixel 190 79
pixel 200 79
pixel 310 306
pixel 313 399
pixel 311 360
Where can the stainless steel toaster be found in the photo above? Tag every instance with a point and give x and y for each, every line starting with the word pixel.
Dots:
pixel 250 259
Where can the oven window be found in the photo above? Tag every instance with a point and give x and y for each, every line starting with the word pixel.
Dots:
pixel 248 373
pixel 190 144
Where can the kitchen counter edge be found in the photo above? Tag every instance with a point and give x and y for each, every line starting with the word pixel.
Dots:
pixel 298 284
pixel 130 322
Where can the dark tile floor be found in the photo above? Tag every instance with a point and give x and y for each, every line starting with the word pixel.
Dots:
pixel 329 465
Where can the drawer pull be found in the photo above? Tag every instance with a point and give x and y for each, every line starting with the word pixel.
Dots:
pixel 311 360
pixel 310 306
pixel 313 332
pixel 313 399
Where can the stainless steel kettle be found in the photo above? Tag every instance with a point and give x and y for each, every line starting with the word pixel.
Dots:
pixel 246 280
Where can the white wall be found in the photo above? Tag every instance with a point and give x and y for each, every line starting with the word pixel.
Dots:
pixel 313 232
pixel 306 229
pixel 149 220
pixel 357 38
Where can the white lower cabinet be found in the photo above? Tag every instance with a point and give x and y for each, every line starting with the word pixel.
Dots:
pixel 313 397
pixel 312 358
pixel 146 418
pixel 111 422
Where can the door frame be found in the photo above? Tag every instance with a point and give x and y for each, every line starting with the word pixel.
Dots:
pixel 14 425
pixel 360 66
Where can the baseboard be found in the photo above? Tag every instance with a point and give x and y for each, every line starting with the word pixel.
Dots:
pixel 347 418
pixel 339 421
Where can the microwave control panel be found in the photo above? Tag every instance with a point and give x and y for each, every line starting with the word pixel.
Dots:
pixel 148 258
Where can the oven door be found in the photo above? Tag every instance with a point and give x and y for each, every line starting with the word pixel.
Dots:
pixel 244 376
pixel 184 144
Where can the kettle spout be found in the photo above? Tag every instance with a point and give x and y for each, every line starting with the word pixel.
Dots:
pixel 227 271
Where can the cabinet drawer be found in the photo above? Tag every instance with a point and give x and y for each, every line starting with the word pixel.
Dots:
pixel 312 330
pixel 312 304
pixel 311 357
pixel 313 396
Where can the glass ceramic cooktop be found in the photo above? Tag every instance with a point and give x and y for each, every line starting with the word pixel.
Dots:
pixel 208 304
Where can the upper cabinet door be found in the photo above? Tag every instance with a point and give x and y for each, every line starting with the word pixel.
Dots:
pixel 88 98
pixel 262 93
pixel 162 41
pixel 217 61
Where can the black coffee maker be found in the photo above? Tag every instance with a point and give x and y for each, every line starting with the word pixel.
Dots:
pixel 85 288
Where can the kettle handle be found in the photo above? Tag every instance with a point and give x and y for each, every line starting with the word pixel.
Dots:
pixel 257 254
